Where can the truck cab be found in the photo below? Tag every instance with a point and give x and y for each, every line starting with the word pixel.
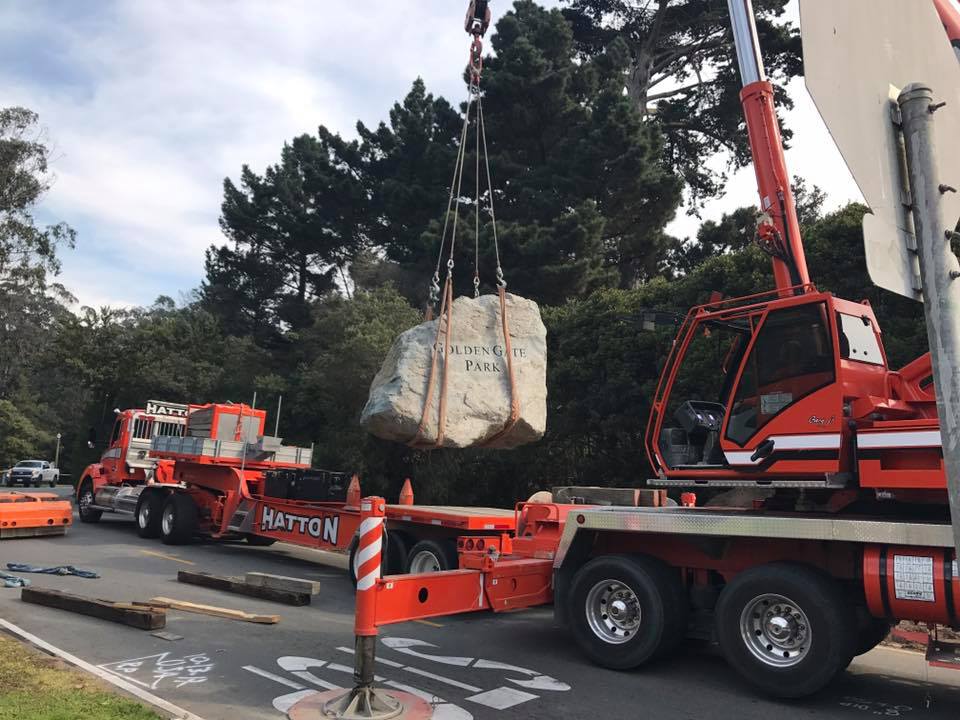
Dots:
pixel 126 461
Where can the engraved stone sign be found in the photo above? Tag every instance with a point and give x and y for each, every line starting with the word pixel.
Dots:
pixel 478 385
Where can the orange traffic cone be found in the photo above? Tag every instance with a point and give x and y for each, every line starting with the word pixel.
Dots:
pixel 353 492
pixel 406 493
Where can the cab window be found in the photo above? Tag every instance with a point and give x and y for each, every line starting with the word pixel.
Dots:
pixel 115 437
pixel 791 358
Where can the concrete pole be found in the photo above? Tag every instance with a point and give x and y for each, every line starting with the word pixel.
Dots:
pixel 939 275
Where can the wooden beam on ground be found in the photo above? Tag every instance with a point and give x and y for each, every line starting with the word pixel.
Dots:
pixel 282 582
pixel 222 612
pixel 241 587
pixel 144 618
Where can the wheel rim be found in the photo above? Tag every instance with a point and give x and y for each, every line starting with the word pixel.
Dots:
pixel 166 521
pixel 144 515
pixel 776 630
pixel 613 611
pixel 424 561
pixel 86 499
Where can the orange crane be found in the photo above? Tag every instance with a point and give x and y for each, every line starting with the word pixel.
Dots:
pixel 846 527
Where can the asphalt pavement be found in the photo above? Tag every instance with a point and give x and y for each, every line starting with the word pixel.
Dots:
pixel 508 666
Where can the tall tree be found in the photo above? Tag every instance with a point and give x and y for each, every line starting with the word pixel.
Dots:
pixel 408 166
pixel 581 191
pixel 681 72
pixel 30 298
pixel 293 229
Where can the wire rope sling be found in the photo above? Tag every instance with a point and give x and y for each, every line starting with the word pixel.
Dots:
pixel 473 374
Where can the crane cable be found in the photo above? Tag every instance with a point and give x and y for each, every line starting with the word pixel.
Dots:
pixel 477 21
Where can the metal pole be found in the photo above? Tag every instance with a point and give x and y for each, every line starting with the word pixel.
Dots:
pixel 939 274
pixel 56 455
pixel 276 425
pixel 364 701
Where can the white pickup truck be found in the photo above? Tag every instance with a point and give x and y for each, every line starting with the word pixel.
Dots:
pixel 32 472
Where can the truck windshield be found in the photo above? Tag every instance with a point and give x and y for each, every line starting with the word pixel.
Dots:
pixel 29 464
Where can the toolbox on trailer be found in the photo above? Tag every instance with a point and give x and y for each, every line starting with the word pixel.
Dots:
pixel 307 485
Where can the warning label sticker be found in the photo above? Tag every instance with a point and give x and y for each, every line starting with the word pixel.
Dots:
pixel 913 578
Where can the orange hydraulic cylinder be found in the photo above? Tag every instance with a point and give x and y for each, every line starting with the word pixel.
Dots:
pixel 368 559
pixel 773 181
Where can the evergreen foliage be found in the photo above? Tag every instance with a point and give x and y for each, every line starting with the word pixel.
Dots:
pixel 329 251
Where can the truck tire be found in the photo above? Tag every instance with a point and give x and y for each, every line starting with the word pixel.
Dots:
pixel 432 556
pixel 787 629
pixel 392 562
pixel 149 514
pixel 627 609
pixel 178 523
pixel 259 540
pixel 85 499
pixel 871 632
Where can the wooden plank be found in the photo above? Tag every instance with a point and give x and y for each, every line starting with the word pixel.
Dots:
pixel 139 617
pixel 283 582
pixel 240 587
pixel 222 612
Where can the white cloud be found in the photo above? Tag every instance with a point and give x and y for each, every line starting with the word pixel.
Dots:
pixel 151 104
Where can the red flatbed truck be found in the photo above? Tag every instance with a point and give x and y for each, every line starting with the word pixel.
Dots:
pixel 829 518
pixel 208 470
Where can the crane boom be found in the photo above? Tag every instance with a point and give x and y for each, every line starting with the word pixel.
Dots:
pixel 779 229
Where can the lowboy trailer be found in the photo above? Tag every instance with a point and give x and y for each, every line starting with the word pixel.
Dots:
pixel 184 471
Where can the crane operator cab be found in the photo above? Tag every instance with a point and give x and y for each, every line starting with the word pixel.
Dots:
pixel 752 385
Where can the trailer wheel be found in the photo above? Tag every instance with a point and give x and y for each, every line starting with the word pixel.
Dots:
pixel 788 629
pixel 626 610
pixel 392 562
pixel 259 540
pixel 432 556
pixel 87 513
pixel 178 523
pixel 149 514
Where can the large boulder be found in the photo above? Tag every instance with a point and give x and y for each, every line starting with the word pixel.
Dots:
pixel 478 386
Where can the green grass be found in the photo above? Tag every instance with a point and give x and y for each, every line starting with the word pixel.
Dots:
pixel 34 686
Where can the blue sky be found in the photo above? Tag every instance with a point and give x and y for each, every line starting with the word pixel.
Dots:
pixel 149 104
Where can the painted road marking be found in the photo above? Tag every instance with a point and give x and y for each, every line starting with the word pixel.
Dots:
pixel 502 698
pixel 389 663
pixel 154 553
pixel 875 707
pixel 298 666
pixel 427 622
pixel 441 678
pixel 282 703
pixel 122 683
pixel 423 673
pixel 276 678
pixel 442 710
pixel 160 667
pixel 499 698
pixel 535 681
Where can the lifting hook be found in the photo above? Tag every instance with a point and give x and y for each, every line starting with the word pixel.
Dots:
pixel 478 18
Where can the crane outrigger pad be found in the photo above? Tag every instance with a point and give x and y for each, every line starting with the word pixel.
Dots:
pixel 33 514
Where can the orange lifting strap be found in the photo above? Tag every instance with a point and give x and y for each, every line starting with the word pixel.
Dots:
pixel 481 14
